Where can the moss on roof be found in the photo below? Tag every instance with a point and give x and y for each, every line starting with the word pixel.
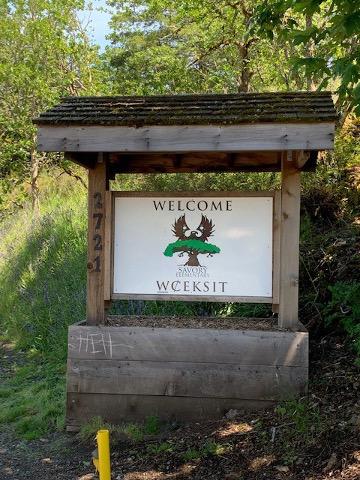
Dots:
pixel 192 109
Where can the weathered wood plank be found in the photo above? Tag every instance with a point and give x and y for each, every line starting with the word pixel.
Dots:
pixel 212 193
pixel 184 162
pixel 233 138
pixel 247 347
pixel 96 237
pixel 184 379
pixel 190 298
pixel 107 245
pixel 290 232
pixel 276 251
pixel 118 408
pixel 189 162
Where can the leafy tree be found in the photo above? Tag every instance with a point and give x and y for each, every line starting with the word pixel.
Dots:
pixel 193 248
pixel 44 54
pixel 162 46
pixel 329 31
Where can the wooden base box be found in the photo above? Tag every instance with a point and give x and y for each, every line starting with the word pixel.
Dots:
pixel 126 373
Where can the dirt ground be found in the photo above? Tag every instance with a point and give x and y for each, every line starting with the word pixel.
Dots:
pixel 317 440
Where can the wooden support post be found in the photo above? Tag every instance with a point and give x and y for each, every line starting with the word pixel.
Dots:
pixel 108 253
pixel 96 236
pixel 276 251
pixel 289 250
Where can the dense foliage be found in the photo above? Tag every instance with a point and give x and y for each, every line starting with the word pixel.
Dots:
pixel 44 54
pixel 330 31
pixel 161 46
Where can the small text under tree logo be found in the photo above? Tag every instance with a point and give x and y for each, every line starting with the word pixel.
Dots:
pixel 192 242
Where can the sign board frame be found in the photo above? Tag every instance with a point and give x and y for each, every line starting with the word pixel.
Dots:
pixel 110 239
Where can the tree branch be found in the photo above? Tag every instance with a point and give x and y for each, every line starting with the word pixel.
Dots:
pixel 213 48
pixel 72 174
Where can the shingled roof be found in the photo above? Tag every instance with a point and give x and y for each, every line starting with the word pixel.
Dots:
pixel 192 109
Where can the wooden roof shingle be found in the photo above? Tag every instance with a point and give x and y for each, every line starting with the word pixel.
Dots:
pixel 215 109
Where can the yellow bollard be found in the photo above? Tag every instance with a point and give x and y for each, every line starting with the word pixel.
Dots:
pixel 103 442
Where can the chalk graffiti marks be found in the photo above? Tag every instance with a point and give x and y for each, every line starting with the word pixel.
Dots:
pixel 94 343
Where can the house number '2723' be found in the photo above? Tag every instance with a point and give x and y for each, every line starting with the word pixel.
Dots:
pixel 97 238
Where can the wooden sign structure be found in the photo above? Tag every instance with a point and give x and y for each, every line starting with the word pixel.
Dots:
pixel 125 371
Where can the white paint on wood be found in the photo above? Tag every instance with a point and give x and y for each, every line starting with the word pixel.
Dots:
pixel 245 347
pixel 195 138
pixel 242 230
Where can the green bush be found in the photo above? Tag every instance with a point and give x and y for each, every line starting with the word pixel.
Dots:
pixel 343 309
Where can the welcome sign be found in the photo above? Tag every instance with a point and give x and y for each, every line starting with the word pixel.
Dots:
pixel 192 247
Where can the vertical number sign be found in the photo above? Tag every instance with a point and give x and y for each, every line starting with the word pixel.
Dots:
pixel 96 247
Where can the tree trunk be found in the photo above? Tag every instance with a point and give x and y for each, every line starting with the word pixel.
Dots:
pixel 310 52
pixel 35 161
pixel 193 260
pixel 243 81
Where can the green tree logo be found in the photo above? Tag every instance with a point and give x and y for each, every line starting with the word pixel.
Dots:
pixel 192 242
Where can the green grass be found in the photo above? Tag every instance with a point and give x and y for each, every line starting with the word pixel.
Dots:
pixel 163 447
pixel 43 271
pixel 191 454
pixel 135 432
pixel 301 422
pixel 208 449
pixel 32 400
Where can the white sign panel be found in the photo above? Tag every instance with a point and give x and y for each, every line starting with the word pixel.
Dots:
pixel 193 246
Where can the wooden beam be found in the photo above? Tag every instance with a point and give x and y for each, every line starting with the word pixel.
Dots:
pixel 196 345
pixel 96 238
pixel 184 379
pixel 194 162
pixel 289 249
pixel 117 409
pixel 202 162
pixel 301 159
pixel 191 298
pixel 186 138
pixel 86 160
